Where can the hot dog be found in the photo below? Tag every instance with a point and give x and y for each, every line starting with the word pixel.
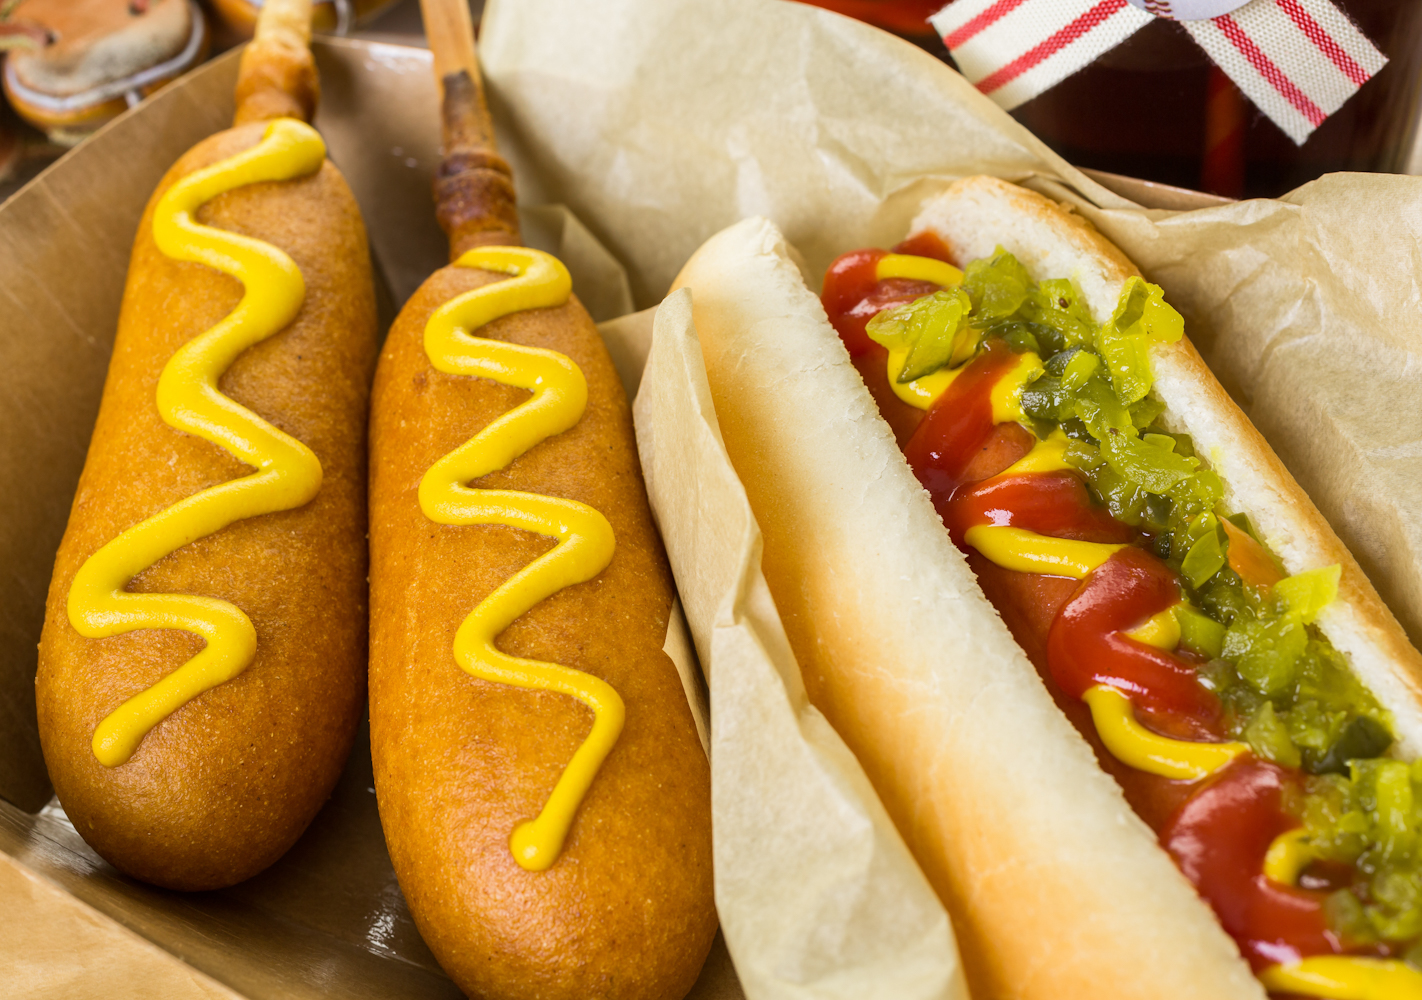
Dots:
pixel 1134 573
pixel 201 669
pixel 543 793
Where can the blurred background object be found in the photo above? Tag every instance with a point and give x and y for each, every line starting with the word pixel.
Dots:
pixel 24 151
pixel 1156 107
pixel 908 18
pixel 72 65
pixel 238 18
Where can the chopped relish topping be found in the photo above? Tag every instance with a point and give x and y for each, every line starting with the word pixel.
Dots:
pixel 1370 818
pixel 933 330
pixel 1285 690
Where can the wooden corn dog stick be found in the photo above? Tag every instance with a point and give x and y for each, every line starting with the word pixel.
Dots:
pixel 450 31
pixel 277 78
pixel 543 792
pixel 201 668
pixel 474 193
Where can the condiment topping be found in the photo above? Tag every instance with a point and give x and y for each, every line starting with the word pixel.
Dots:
pixel 1041 448
pixel 1220 840
pixel 288 474
pixel 584 537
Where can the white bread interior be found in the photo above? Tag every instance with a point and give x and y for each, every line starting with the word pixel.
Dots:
pixel 977 214
pixel 1056 889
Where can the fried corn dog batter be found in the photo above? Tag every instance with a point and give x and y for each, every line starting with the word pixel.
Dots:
pixel 224 776
pixel 623 907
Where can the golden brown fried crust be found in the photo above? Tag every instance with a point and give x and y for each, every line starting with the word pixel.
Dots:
pixel 626 912
pixel 220 789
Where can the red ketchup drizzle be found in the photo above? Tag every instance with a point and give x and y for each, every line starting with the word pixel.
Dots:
pixel 959 424
pixel 1220 830
pixel 926 244
pixel 1219 839
pixel 853 294
pixel 1086 646
pixel 1049 503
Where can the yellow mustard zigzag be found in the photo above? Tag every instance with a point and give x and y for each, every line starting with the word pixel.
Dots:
pixel 585 540
pixel 288 473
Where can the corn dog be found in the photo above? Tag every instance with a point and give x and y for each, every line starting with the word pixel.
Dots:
pixel 540 783
pixel 200 674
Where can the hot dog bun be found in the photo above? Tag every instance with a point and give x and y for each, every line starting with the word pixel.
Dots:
pixel 1055 887
pixel 223 785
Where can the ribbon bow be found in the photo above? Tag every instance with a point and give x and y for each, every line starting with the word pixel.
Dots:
pixel 1297 60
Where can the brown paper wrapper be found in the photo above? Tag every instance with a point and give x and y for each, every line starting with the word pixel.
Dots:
pixel 661 122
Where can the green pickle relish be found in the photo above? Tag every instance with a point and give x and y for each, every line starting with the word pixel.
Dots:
pixel 1286 691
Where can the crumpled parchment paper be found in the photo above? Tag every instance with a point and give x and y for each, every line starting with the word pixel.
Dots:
pixel 660 122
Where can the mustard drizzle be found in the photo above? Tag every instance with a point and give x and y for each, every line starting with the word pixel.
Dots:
pixel 1345 977
pixel 585 540
pixel 1337 977
pixel 287 472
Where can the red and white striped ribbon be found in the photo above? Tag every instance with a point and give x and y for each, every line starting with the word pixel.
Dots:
pixel 1297 60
